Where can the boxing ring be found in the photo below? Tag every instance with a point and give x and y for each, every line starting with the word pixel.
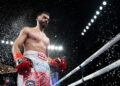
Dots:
pixel 90 59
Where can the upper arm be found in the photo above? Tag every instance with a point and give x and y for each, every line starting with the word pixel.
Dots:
pixel 22 37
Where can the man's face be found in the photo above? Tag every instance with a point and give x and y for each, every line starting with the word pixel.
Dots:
pixel 43 20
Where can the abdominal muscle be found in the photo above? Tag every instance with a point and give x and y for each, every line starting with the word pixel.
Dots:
pixel 35 46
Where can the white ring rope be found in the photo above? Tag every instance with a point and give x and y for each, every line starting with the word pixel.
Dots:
pixel 92 57
pixel 97 73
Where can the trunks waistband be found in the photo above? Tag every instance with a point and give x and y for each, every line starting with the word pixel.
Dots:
pixel 36 54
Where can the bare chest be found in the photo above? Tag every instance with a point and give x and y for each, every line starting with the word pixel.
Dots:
pixel 39 37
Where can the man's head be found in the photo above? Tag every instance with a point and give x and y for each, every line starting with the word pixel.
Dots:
pixel 43 19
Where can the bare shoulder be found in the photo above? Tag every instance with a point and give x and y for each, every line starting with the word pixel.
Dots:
pixel 25 30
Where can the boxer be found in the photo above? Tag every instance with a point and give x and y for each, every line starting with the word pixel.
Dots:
pixel 33 65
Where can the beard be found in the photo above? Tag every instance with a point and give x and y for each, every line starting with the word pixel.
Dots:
pixel 42 24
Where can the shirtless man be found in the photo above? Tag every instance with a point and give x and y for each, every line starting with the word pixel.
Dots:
pixel 33 68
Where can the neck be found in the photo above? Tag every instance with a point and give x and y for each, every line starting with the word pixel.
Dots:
pixel 39 28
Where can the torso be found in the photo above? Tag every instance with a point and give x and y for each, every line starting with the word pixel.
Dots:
pixel 36 40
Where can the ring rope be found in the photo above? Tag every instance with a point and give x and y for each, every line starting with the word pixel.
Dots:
pixel 92 57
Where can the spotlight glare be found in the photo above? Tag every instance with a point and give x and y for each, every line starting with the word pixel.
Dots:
pixel 89 24
pixel 7 42
pixel 95 16
pixel 92 20
pixel 11 42
pixel 82 33
pixel 52 47
pixel 104 3
pixel 84 30
pixel 87 27
pixel 56 48
pixel 2 41
pixel 100 7
pixel 60 48
pixel 97 12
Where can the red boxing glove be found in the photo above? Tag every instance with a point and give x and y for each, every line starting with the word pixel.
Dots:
pixel 59 63
pixel 23 64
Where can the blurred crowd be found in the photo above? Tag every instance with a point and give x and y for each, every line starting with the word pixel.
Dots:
pixel 7 82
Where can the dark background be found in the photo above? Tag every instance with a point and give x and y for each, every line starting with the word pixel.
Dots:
pixel 68 19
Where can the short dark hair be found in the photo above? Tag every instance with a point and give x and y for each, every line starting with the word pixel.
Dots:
pixel 44 12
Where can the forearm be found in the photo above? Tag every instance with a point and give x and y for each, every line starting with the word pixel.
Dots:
pixel 15 49
pixel 16 52
pixel 49 60
pixel 19 41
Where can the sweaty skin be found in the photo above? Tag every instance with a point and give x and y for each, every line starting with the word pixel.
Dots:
pixel 33 38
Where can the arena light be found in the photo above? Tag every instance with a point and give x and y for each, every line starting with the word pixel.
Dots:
pixel 92 20
pixel 89 24
pixel 52 47
pixel 87 27
pixel 2 41
pixel 56 48
pixel 11 42
pixel 84 30
pixel 7 42
pixel 104 3
pixel 60 48
pixel 82 33
pixel 95 16
pixel 100 7
pixel 97 12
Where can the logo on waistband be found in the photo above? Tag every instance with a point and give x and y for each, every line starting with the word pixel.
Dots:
pixel 30 83
pixel 42 56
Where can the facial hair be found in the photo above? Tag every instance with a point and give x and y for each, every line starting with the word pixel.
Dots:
pixel 42 24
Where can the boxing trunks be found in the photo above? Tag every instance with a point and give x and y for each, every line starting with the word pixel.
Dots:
pixel 40 72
